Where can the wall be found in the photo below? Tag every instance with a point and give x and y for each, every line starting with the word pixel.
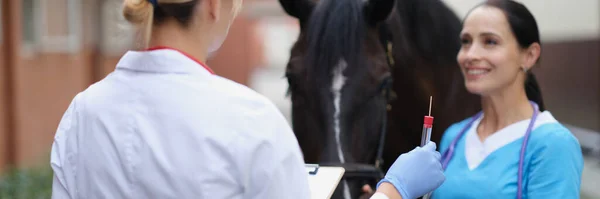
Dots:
pixel 3 110
pixel 557 19
pixel 45 85
pixel 5 43
pixel 43 80
pixel 569 78
pixel 240 54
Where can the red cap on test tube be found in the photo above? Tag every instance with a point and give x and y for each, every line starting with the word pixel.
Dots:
pixel 428 122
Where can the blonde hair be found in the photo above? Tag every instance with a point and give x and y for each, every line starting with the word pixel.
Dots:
pixel 140 13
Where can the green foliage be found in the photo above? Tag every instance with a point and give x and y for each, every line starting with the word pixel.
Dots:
pixel 31 183
pixel 36 183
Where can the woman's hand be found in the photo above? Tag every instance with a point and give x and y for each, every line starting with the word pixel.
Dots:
pixel 417 172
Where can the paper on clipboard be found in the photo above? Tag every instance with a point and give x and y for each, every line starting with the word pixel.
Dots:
pixel 323 180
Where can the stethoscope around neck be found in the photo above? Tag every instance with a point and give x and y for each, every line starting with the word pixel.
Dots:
pixel 447 156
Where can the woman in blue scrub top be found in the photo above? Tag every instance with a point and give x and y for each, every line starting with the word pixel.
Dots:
pixel 514 140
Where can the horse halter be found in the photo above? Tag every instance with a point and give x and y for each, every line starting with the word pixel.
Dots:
pixel 386 86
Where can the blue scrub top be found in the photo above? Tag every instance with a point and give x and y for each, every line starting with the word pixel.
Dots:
pixel 552 168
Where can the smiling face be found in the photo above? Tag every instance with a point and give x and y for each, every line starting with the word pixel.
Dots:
pixel 490 57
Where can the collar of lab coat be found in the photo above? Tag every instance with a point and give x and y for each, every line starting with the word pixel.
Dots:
pixel 162 60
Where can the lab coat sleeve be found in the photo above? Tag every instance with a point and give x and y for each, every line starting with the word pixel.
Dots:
pixel 556 167
pixel 59 154
pixel 278 169
pixel 59 190
pixel 286 179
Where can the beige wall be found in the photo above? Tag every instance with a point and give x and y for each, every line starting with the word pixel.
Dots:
pixel 569 72
pixel 557 19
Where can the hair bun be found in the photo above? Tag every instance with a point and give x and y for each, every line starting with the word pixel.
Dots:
pixel 137 12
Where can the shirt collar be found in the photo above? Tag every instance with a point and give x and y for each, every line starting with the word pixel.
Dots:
pixel 477 151
pixel 162 60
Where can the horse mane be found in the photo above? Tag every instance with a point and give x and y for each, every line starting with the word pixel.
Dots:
pixel 423 31
pixel 335 31
pixel 426 38
pixel 429 29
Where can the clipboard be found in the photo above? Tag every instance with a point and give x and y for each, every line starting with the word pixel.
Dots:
pixel 323 180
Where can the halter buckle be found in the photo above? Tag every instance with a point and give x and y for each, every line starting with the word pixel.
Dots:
pixel 378 163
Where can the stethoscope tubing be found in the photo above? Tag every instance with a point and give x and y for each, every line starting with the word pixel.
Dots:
pixel 447 156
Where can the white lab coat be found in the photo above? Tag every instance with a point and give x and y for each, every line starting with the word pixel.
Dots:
pixel 162 126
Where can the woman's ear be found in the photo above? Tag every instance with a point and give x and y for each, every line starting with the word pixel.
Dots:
pixel 531 55
pixel 213 8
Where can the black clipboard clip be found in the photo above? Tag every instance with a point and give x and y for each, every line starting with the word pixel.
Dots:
pixel 312 169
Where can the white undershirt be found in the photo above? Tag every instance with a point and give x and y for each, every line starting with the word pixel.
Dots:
pixel 379 195
pixel 476 151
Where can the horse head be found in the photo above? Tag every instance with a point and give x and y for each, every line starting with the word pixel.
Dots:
pixel 339 82
pixel 346 66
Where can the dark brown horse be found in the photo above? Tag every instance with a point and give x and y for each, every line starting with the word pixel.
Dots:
pixel 342 65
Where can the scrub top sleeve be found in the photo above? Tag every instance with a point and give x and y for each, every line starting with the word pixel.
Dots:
pixel 59 152
pixel 556 167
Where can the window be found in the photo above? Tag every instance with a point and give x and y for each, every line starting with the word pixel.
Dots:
pixel 60 25
pixel 51 26
pixel 29 13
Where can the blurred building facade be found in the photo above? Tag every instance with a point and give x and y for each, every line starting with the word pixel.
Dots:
pixel 52 51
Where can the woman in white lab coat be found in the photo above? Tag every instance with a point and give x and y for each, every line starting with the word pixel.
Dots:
pixel 163 125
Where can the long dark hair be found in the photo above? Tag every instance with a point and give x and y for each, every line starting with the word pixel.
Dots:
pixel 525 29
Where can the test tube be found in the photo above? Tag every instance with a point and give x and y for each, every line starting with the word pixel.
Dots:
pixel 427 126
pixel 426 135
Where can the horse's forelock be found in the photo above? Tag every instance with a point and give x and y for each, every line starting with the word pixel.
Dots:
pixel 335 31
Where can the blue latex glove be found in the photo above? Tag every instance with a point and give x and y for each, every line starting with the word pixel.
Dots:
pixel 417 172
